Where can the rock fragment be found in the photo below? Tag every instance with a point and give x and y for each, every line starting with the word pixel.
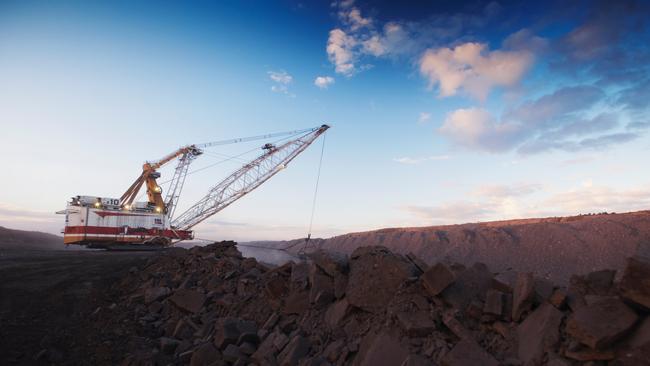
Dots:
pixel 416 360
pixel 600 324
pixel 468 352
pixel 635 283
pixel 375 275
pixel 381 349
pixel 538 334
pixel 295 351
pixel 417 323
pixel 471 284
pixel 558 298
pixel 188 300
pixel 204 355
pixel 494 302
pixel 155 294
pixel 336 312
pixel 523 294
pixel 437 278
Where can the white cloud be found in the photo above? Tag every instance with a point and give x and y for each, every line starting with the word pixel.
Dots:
pixel 424 117
pixel 476 128
pixel 340 50
pixel 354 19
pixel 323 81
pixel 472 68
pixel 281 77
pixel 412 161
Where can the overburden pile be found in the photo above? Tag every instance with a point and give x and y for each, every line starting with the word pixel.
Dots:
pixel 210 306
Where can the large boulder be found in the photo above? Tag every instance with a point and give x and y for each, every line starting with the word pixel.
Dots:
pixel 635 284
pixel 331 263
pixel 437 278
pixel 375 275
pixel 539 333
pixel 601 322
pixel 471 284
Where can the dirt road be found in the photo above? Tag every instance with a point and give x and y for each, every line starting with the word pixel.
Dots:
pixel 46 299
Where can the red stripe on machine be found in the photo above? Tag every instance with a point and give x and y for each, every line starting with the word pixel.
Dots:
pixel 108 213
pixel 184 234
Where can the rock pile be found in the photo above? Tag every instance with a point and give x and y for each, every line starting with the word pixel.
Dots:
pixel 210 306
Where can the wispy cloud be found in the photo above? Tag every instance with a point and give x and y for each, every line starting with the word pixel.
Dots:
pixel 281 77
pixel 513 202
pixel 281 80
pixel 452 212
pixel 424 117
pixel 323 82
pixel 557 121
pixel 503 191
pixel 16 217
pixel 413 161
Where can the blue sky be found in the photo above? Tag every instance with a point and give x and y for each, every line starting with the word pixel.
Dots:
pixel 442 113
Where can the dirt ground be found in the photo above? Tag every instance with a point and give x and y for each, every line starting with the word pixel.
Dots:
pixel 47 300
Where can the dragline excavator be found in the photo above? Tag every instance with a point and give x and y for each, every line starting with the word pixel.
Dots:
pixel 123 223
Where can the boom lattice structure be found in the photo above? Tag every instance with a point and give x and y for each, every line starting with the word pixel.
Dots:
pixel 246 179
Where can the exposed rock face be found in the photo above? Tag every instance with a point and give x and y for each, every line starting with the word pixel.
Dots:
pixel 379 308
pixel 528 245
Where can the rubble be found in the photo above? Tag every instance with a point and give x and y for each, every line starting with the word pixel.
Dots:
pixel 209 305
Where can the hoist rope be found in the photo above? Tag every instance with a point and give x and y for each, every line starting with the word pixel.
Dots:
pixel 313 202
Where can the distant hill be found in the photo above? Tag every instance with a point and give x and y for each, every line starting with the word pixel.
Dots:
pixel 553 247
pixel 11 239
